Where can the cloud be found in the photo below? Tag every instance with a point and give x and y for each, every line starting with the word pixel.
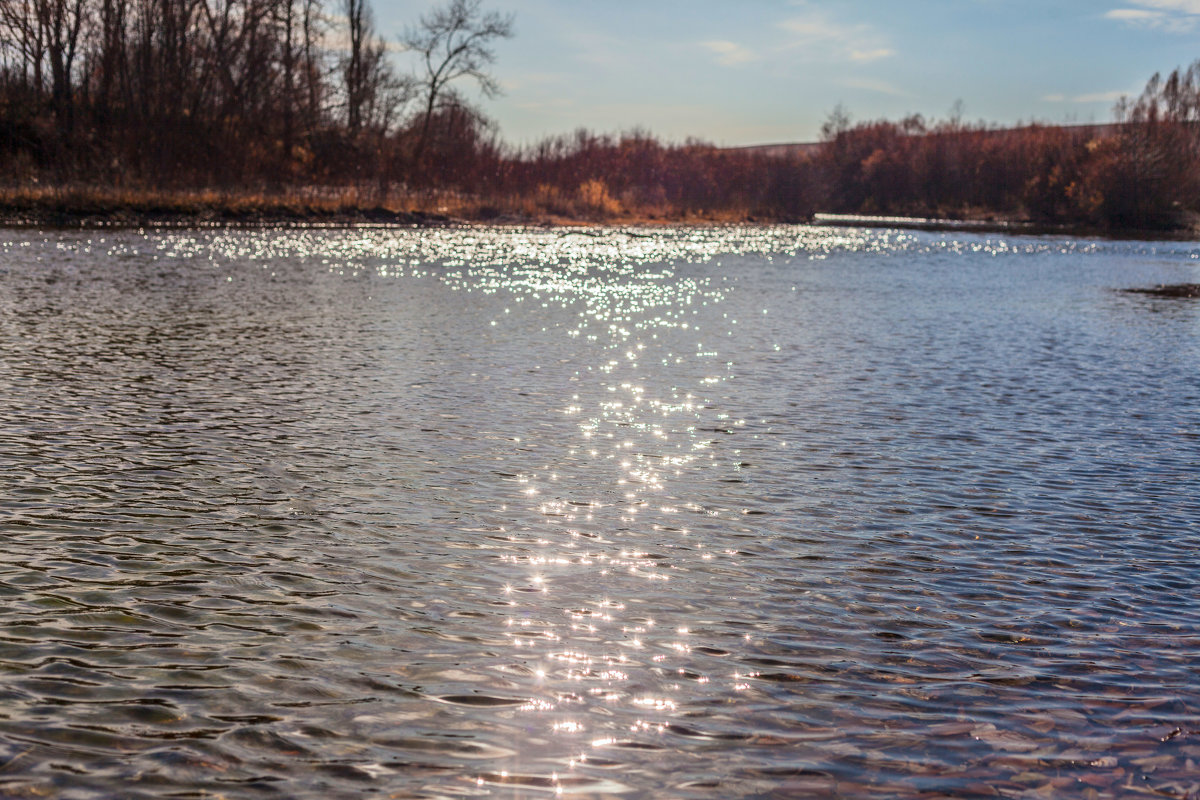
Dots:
pixel 881 87
pixel 1183 6
pixel 1092 97
pixel 871 55
pixel 526 80
pixel 1135 16
pixel 729 54
pixel 1099 97
pixel 816 35
pixel 826 38
pixel 1172 16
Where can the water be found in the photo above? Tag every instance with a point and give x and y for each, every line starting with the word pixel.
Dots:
pixel 687 513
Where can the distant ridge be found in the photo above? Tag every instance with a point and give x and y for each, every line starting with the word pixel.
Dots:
pixel 778 150
pixel 792 149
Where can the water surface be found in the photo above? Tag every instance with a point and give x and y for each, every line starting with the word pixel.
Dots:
pixel 689 513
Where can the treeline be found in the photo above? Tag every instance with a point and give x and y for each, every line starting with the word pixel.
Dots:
pixel 230 93
pixel 635 174
pixel 299 98
pixel 1143 171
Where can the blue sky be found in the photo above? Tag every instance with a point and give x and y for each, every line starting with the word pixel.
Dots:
pixel 744 72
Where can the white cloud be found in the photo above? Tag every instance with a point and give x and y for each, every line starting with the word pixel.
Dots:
pixel 1098 97
pixel 1091 97
pixel 729 54
pixel 881 87
pixel 1172 16
pixel 1134 15
pixel 826 38
pixel 533 80
pixel 1183 6
pixel 871 55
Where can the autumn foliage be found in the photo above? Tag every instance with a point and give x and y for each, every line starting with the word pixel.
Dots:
pixel 1143 171
pixel 591 175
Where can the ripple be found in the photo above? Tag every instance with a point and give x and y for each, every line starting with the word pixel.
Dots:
pixel 724 511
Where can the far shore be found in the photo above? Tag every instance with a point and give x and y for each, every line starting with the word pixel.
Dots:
pixel 91 211
pixel 1000 224
pixel 104 209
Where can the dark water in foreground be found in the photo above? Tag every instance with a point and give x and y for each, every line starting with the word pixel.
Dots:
pixel 762 512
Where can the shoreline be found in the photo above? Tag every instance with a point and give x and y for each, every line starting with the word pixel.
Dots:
pixel 65 215
pixel 998 224
pixel 124 217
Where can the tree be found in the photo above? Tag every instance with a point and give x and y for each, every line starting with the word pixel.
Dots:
pixel 453 42
pixel 44 31
pixel 373 92
pixel 1152 173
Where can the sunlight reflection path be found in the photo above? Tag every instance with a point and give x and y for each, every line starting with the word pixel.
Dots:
pixel 594 612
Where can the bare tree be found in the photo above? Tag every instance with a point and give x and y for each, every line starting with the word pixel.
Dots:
pixel 453 42
pixel 373 91
pixel 360 27
pixel 111 53
pixel 23 38
pixel 46 33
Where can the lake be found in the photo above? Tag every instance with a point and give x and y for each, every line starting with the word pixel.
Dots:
pixel 691 512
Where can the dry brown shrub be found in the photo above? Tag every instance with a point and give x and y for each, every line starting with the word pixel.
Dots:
pixel 594 199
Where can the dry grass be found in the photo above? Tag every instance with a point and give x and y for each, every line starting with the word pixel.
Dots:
pixel 591 202
pixel 91 198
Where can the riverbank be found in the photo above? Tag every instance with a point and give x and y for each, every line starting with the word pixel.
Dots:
pixel 1188 230
pixel 91 208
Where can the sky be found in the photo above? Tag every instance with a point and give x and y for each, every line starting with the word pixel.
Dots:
pixel 745 72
